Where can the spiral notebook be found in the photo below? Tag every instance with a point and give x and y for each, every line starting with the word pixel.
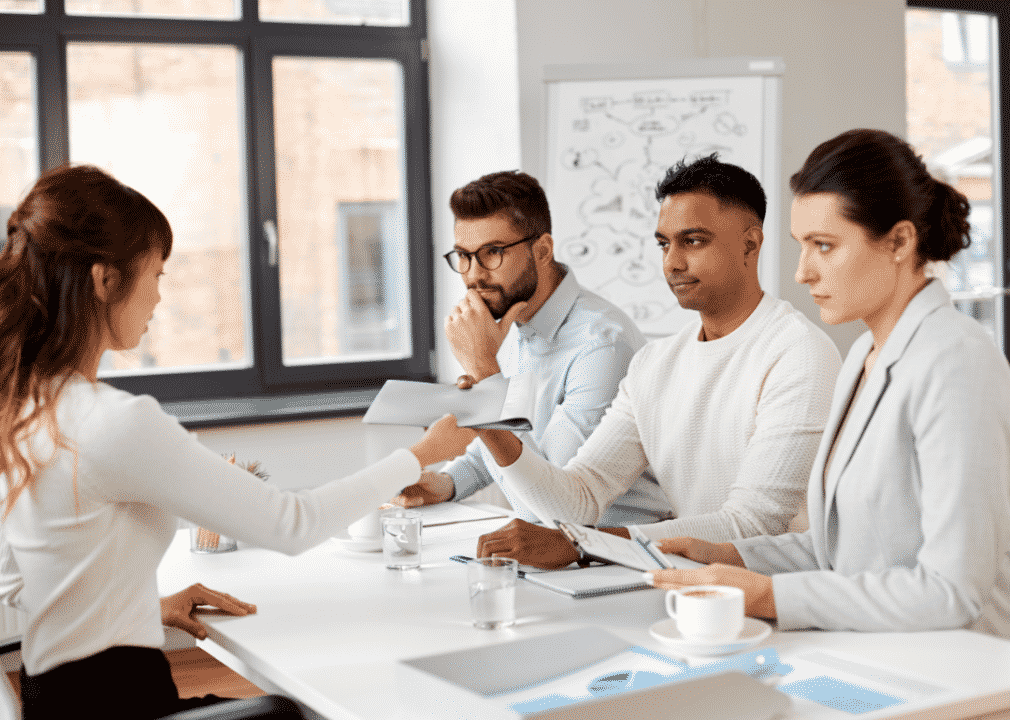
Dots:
pixel 590 582
pixel 629 559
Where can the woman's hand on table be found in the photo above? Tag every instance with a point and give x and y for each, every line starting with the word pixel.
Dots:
pixel 759 596
pixel 442 441
pixel 701 551
pixel 179 610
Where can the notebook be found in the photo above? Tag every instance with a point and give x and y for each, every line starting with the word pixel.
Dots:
pixel 590 582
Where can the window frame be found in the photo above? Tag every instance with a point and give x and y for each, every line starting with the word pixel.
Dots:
pixel 1001 120
pixel 343 387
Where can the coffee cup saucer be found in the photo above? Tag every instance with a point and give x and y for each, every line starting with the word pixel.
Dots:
pixel 754 631
pixel 360 544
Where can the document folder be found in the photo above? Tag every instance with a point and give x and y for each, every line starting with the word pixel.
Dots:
pixel 493 404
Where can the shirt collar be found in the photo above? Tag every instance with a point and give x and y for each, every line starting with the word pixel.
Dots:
pixel 555 309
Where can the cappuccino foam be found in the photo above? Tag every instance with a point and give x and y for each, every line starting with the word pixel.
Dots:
pixel 704 594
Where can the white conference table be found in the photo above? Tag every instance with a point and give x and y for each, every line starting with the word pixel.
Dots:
pixel 332 625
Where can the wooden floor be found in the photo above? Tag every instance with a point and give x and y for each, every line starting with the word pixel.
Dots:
pixel 196 673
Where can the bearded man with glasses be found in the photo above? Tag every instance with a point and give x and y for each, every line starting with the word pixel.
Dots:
pixel 525 312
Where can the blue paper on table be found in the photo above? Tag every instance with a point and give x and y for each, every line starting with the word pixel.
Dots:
pixel 496 403
pixel 634 669
pixel 840 695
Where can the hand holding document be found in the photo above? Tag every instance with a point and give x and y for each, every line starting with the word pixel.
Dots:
pixel 496 403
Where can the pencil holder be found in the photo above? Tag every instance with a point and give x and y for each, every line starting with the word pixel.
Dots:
pixel 202 540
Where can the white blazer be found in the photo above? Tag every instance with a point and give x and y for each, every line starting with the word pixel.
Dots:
pixel 911 530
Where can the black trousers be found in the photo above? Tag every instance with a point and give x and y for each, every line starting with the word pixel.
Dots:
pixel 121 683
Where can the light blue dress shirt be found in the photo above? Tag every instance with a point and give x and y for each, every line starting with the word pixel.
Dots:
pixel 577 347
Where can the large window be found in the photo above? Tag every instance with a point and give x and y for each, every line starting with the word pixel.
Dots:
pixel 957 89
pixel 286 141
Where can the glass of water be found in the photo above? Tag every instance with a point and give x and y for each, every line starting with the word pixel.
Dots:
pixel 401 539
pixel 492 583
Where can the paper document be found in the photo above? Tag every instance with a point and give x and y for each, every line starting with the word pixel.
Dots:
pixel 615 549
pixel 830 685
pixel 453 512
pixel 638 668
pixel 495 403
pixel 588 673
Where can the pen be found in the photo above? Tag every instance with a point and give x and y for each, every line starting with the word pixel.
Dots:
pixel 649 546
pixel 465 558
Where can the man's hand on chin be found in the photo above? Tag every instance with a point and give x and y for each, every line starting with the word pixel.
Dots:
pixel 475 336
pixel 529 544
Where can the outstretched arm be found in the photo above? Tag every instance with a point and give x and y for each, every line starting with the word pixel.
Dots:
pixel 604 467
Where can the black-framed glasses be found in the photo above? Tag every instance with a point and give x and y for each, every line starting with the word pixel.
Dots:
pixel 488 257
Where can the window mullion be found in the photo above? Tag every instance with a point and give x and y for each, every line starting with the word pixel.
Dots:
pixel 263 208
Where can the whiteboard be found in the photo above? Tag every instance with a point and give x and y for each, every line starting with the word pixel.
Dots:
pixel 612 133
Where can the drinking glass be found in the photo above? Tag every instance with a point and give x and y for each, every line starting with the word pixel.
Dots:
pixel 492 583
pixel 401 539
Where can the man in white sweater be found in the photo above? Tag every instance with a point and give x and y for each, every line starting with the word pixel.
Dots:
pixel 728 412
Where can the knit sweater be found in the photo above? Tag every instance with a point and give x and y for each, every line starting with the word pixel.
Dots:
pixel 80 550
pixel 729 427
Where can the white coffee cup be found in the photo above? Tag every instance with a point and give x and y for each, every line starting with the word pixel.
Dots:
pixel 366 528
pixel 707 613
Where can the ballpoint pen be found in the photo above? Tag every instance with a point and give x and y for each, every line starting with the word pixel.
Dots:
pixel 465 558
pixel 649 546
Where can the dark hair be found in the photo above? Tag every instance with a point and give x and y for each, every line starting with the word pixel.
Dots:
pixel 72 218
pixel 729 184
pixel 514 193
pixel 882 181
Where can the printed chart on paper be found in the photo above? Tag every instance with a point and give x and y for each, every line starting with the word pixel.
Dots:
pixel 609 143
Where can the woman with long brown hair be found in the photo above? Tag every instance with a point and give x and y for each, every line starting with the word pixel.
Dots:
pixel 95 478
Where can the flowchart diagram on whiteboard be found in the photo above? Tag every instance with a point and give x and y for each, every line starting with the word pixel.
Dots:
pixel 609 144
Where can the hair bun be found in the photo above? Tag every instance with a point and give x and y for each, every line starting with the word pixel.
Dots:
pixel 948 231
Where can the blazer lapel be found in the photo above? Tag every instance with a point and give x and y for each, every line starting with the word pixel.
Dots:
pixel 932 296
pixel 818 489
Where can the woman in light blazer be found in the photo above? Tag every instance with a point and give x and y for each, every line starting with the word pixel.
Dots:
pixel 909 496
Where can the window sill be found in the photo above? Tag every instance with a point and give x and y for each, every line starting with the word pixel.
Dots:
pixel 240 411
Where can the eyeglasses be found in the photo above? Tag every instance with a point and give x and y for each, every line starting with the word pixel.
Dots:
pixel 488 257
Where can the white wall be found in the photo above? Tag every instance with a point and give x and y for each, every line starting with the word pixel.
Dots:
pixel 474 123
pixel 845 68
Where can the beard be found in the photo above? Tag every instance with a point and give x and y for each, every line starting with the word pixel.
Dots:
pixel 520 290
